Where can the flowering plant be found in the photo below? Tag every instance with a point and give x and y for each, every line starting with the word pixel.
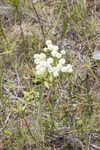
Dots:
pixel 53 63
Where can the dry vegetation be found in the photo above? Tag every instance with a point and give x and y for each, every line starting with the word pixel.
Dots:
pixel 42 113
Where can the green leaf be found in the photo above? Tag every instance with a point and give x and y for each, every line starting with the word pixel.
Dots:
pixel 51 78
pixel 15 3
pixel 5 131
pixel 83 76
pixel 79 122
pixel 47 84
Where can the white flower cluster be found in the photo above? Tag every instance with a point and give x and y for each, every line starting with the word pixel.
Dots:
pixel 53 64
pixel 34 1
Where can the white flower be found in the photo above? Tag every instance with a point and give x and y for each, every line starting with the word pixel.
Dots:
pixel 59 66
pixel 55 69
pixel 54 53
pixel 50 47
pixel 53 47
pixel 45 49
pixel 69 68
pixel 43 63
pixel 55 74
pixel 50 68
pixel 34 1
pixel 36 61
pixel 49 60
pixel 38 72
pixel 58 55
pixel 36 55
pixel 63 52
pixel 48 42
pixel 42 56
pixel 38 67
pixel 64 69
pixel 62 61
pixel 41 70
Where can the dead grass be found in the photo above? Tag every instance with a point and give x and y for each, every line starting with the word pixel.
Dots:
pixel 66 114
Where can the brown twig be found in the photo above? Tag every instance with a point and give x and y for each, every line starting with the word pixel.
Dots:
pixel 41 26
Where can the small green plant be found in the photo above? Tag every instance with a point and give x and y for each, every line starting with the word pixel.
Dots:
pixel 15 3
